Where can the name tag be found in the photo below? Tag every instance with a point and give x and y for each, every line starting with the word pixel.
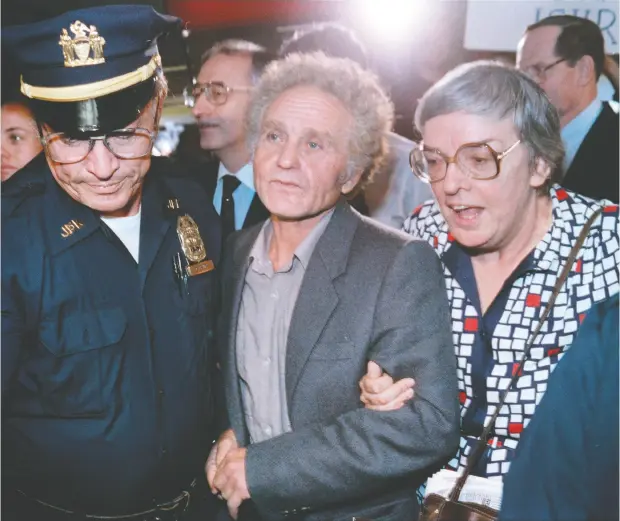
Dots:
pixel 200 268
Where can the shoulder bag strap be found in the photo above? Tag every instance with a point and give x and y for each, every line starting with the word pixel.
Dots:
pixel 480 446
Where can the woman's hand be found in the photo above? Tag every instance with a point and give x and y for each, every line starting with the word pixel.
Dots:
pixel 380 393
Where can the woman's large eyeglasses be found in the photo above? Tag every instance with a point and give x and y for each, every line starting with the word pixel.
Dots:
pixel 216 92
pixel 127 143
pixel 476 160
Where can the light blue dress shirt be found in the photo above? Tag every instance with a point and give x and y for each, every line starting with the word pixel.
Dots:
pixel 575 132
pixel 605 89
pixel 242 196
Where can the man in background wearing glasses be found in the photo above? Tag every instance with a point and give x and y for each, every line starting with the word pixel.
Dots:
pixel 107 285
pixel 219 100
pixel 565 56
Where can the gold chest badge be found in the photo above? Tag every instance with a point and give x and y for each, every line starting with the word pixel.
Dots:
pixel 85 49
pixel 193 246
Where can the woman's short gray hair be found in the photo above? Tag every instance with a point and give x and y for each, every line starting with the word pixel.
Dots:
pixel 358 90
pixel 490 88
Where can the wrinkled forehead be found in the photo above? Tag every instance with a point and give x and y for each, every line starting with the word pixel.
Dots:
pixel 308 107
pixel 448 132
pixel 233 69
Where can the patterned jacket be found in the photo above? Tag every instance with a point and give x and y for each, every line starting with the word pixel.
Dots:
pixel 593 278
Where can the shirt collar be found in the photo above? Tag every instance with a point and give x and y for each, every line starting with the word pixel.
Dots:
pixel 604 89
pixel 259 255
pixel 579 126
pixel 245 175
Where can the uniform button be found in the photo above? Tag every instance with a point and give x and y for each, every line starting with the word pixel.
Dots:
pixel 151 332
pixel 161 393
pixel 267 360
pixel 268 431
pixel 275 295
pixel 164 451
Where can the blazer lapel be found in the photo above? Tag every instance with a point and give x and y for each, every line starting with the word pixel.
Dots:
pixel 155 221
pixel 209 176
pixel 318 297
pixel 256 213
pixel 240 264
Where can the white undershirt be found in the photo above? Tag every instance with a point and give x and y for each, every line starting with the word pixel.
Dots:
pixel 128 231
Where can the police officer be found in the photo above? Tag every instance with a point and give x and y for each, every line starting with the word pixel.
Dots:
pixel 108 285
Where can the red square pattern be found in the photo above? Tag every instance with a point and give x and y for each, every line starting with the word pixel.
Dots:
pixel 471 324
pixel 532 300
pixel 515 428
pixel 578 266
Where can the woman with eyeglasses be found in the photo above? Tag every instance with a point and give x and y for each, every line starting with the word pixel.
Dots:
pixel 503 228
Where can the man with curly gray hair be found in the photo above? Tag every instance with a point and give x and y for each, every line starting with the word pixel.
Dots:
pixel 370 109
pixel 315 296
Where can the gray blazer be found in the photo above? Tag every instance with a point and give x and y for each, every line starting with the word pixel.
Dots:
pixel 369 293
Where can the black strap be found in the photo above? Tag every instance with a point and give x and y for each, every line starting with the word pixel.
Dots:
pixel 475 455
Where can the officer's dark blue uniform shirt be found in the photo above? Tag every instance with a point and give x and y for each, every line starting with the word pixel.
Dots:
pixel 106 399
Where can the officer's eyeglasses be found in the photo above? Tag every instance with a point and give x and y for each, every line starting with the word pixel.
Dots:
pixel 476 160
pixel 216 92
pixel 127 143
pixel 540 72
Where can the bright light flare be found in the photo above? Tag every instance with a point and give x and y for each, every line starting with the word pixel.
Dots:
pixel 387 21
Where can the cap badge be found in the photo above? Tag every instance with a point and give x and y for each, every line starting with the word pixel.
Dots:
pixel 85 49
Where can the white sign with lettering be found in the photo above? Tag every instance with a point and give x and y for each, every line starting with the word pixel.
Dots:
pixel 498 25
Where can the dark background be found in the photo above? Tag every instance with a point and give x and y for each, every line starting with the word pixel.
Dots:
pixel 407 66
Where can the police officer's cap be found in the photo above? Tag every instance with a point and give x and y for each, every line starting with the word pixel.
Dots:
pixel 88 53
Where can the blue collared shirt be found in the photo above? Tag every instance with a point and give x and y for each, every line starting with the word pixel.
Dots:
pixel 242 196
pixel 605 89
pixel 575 132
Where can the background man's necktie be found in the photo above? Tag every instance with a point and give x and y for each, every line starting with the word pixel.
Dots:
pixel 227 213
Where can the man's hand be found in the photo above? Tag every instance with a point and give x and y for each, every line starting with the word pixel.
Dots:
pixel 380 393
pixel 222 447
pixel 230 480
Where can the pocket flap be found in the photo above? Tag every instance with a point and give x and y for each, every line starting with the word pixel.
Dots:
pixel 82 331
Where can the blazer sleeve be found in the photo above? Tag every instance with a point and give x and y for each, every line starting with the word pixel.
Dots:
pixel 362 450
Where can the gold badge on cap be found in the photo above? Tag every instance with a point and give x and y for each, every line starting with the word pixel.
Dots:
pixel 193 246
pixel 77 51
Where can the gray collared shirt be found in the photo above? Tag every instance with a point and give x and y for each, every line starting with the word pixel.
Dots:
pixel 267 305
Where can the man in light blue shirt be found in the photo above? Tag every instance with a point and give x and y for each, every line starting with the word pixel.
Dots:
pixel 242 196
pixel 565 55
pixel 575 131
pixel 219 101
